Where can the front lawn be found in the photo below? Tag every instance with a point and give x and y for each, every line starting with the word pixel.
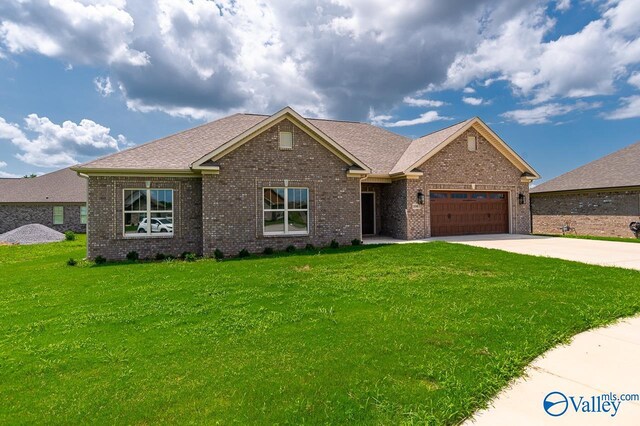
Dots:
pixel 415 333
pixel 593 237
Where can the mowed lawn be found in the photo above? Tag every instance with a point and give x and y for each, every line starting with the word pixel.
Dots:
pixel 417 333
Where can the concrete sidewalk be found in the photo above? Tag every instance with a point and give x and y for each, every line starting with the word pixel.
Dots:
pixel 603 253
pixel 596 362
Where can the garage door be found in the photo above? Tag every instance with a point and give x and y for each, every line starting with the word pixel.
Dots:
pixel 462 213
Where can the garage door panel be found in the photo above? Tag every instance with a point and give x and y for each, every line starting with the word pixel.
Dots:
pixel 462 213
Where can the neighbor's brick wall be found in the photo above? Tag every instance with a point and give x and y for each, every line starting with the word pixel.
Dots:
pixel 13 216
pixel 457 168
pixel 105 233
pixel 590 213
pixel 233 200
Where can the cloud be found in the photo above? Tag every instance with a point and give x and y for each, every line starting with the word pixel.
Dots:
pixel 422 102
pixel 634 79
pixel 544 113
pixel 103 86
pixel 427 117
pixel 4 174
pixel 586 63
pixel 62 145
pixel 472 101
pixel 469 90
pixel 630 109
pixel 563 5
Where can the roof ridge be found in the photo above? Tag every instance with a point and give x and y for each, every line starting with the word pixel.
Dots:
pixel 445 128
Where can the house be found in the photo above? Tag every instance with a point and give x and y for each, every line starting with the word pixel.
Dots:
pixel 252 181
pixel 600 198
pixel 57 200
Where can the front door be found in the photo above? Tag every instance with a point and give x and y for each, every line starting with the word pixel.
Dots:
pixel 368 203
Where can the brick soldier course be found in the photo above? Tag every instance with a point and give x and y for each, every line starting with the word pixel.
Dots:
pixel 218 173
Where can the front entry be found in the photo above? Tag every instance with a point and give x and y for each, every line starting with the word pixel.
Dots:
pixel 368 205
pixel 468 212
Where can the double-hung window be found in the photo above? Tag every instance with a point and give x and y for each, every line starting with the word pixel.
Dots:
pixel 286 211
pixel 148 211
pixel 83 215
pixel 58 215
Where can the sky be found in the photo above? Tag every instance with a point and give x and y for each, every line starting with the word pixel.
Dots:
pixel 559 81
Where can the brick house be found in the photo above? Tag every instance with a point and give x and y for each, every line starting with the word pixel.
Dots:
pixel 253 181
pixel 57 200
pixel 600 198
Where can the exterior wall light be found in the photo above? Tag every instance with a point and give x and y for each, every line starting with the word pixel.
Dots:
pixel 521 198
pixel 420 197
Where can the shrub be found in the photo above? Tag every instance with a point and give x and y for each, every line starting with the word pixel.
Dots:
pixel 100 260
pixel 334 244
pixel 290 248
pixel 190 257
pixel 218 254
pixel 70 236
pixel 309 247
pixel 268 250
pixel 72 262
pixel 243 253
pixel 184 254
pixel 356 242
pixel 133 256
pixel 161 256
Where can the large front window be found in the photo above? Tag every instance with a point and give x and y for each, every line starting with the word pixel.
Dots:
pixel 148 211
pixel 286 211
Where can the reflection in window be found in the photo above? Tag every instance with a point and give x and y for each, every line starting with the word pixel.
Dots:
pixel 286 211
pixel 148 211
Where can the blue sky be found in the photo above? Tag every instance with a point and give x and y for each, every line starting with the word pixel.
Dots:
pixel 558 80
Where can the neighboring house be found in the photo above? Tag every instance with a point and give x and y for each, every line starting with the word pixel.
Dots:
pixel 600 198
pixel 253 181
pixel 57 200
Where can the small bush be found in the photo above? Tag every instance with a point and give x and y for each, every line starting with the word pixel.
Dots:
pixel 356 242
pixel 132 256
pixel 161 256
pixel 268 250
pixel 100 260
pixel 334 244
pixel 243 253
pixel 70 236
pixel 290 248
pixel 309 247
pixel 72 262
pixel 190 257
pixel 184 254
pixel 218 254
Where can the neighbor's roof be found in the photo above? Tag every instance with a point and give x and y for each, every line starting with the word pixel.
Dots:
pixel 62 186
pixel 382 151
pixel 620 169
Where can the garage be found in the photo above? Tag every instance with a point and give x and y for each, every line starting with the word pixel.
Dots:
pixel 468 212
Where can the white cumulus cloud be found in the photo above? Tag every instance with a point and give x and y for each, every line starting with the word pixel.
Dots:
pixel 427 117
pixel 469 100
pixel 544 113
pixel 422 102
pixel 630 109
pixel 103 86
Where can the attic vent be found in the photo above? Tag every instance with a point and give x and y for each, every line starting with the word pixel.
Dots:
pixel 286 140
pixel 472 143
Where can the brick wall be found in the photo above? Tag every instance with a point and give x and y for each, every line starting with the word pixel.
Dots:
pixel 233 200
pixel 13 216
pixel 590 213
pixel 105 229
pixel 457 168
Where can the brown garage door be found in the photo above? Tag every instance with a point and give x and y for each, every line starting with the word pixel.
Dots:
pixel 462 213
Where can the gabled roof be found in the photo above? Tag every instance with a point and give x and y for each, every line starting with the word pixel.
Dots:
pixel 62 186
pixel 620 169
pixel 372 150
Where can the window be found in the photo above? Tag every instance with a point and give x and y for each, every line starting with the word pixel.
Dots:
pixel 286 140
pixel 436 195
pixel 497 196
pixel 83 215
pixel 458 195
pixel 58 215
pixel 479 195
pixel 472 143
pixel 286 211
pixel 148 211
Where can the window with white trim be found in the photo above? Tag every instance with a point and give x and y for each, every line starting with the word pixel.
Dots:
pixel 148 211
pixel 286 140
pixel 58 215
pixel 286 211
pixel 83 215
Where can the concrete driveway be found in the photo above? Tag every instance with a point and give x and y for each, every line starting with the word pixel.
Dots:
pixel 604 253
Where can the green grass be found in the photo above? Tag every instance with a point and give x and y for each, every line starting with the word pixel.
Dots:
pixel 416 333
pixel 593 237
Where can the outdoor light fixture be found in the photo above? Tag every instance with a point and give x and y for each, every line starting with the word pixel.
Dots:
pixel 420 197
pixel 521 198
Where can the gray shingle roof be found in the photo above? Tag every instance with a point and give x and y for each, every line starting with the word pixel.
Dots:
pixel 620 169
pixel 62 186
